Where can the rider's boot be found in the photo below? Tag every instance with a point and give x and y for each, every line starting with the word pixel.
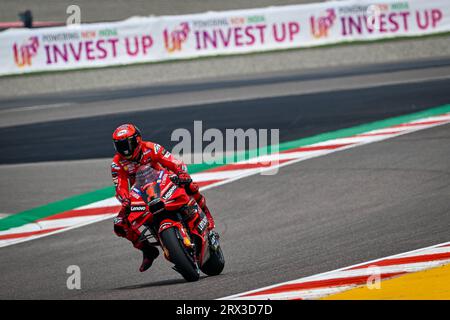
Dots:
pixel 150 253
pixel 201 201
pixel 212 225
pixel 193 190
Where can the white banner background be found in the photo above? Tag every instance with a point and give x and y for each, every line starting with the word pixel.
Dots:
pixel 151 39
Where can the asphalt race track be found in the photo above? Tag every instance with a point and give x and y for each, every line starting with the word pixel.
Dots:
pixel 296 116
pixel 313 216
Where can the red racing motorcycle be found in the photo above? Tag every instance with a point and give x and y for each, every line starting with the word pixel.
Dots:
pixel 162 213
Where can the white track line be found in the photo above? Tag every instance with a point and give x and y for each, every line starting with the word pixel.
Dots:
pixel 346 271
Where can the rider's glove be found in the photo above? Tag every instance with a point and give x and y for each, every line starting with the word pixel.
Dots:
pixel 126 202
pixel 125 210
pixel 184 178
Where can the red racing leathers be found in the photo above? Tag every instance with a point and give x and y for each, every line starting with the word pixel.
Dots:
pixel 123 174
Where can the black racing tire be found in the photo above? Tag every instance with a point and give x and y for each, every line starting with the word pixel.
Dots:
pixel 178 255
pixel 215 264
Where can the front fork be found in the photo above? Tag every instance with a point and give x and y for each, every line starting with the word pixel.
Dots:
pixel 182 235
pixel 213 237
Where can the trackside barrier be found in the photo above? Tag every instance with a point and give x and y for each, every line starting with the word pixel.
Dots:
pixel 152 39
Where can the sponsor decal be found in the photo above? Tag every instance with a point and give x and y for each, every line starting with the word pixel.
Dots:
pixel 238 32
pixel 135 190
pixel 122 132
pixel 135 195
pixel 95 46
pixel 164 226
pixel 202 224
pixel 130 167
pixel 169 193
pixel 138 208
pixel 117 220
pixel 140 228
pixel 173 40
pixel 322 24
pixel 161 173
pixel 24 52
pixel 387 18
pixel 57 37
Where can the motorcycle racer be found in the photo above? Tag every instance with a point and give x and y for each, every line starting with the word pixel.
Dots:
pixel 132 152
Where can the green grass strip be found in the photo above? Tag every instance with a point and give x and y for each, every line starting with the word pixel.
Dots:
pixel 50 209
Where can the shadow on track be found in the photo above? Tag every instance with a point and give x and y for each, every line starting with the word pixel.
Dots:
pixel 161 283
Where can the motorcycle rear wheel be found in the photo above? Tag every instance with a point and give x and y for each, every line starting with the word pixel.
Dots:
pixel 179 256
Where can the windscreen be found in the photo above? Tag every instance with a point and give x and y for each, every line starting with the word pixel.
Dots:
pixel 145 175
pixel 146 182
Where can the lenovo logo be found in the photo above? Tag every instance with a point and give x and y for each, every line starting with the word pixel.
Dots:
pixel 138 208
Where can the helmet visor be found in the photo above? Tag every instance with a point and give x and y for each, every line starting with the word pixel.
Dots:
pixel 126 146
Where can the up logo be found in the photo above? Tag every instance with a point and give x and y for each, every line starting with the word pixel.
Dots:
pixel 321 25
pixel 24 53
pixel 173 40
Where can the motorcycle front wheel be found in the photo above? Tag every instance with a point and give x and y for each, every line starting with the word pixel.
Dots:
pixel 215 264
pixel 178 255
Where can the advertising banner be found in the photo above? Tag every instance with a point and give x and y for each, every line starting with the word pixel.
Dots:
pixel 152 39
